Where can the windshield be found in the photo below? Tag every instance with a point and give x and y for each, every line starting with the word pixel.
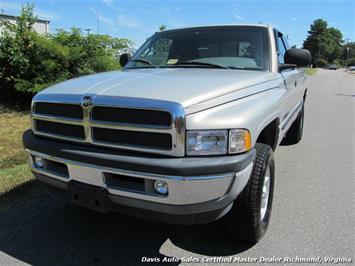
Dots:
pixel 233 47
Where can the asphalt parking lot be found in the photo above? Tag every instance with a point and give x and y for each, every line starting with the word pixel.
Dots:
pixel 313 213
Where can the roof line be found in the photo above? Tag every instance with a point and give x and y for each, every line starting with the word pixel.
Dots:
pixel 221 25
pixel 16 18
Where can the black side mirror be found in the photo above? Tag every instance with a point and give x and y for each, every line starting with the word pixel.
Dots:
pixel 298 57
pixel 124 58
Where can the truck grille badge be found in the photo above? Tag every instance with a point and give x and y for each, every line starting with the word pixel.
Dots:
pixel 86 101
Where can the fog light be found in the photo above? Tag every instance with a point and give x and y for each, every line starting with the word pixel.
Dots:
pixel 161 187
pixel 38 161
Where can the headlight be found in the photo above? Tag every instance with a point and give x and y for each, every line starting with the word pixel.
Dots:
pixel 217 142
pixel 206 142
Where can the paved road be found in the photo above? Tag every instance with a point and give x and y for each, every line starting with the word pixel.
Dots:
pixel 313 211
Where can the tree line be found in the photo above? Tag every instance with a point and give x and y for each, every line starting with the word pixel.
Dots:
pixel 30 62
pixel 327 46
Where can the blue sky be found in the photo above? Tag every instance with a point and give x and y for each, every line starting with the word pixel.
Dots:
pixel 138 19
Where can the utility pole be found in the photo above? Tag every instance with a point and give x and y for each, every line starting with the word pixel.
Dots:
pixel 98 21
pixel 88 31
pixel 347 48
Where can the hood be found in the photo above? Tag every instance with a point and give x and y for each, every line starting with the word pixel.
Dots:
pixel 187 86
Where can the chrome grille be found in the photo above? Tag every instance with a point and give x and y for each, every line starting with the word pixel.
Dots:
pixel 124 137
pixel 61 129
pixel 59 109
pixel 130 116
pixel 126 123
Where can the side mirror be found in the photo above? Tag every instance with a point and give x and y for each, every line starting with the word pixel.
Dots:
pixel 298 57
pixel 124 58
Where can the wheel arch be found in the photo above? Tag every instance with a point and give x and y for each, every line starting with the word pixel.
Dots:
pixel 269 134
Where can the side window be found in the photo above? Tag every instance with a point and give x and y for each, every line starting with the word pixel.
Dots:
pixel 281 49
pixel 285 42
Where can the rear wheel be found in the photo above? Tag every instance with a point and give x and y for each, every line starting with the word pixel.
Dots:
pixel 249 217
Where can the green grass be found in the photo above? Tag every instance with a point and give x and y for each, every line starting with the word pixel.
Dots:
pixel 13 177
pixel 11 149
pixel 311 71
pixel 14 172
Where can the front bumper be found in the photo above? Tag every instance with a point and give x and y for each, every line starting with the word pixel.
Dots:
pixel 200 189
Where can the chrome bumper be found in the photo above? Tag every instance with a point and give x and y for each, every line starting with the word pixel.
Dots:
pixel 183 190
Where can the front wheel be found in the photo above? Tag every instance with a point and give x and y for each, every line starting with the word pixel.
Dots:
pixel 249 217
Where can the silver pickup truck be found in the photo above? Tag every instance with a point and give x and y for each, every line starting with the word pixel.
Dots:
pixel 185 133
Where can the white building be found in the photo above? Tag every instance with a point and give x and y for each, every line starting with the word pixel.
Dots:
pixel 41 26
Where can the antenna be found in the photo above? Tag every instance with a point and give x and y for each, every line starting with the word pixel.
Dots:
pixel 98 21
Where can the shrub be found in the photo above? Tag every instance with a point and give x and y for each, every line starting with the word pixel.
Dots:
pixel 339 62
pixel 30 62
pixel 350 61
pixel 320 62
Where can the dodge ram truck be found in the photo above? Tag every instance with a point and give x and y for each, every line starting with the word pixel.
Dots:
pixel 184 133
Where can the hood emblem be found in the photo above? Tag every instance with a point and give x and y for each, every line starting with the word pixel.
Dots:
pixel 86 103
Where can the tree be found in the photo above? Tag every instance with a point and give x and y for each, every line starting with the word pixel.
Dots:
pixel 323 42
pixel 16 44
pixel 348 53
pixel 30 62
pixel 334 41
pixel 162 28
pixel 316 38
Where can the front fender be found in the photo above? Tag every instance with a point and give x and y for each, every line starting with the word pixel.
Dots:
pixel 253 112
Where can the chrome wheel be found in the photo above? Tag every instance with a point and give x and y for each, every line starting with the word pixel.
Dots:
pixel 265 194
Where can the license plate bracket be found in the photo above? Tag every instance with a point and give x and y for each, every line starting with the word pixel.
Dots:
pixel 88 196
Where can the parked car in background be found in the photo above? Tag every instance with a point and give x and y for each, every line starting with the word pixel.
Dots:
pixel 185 133
pixel 351 68
pixel 332 67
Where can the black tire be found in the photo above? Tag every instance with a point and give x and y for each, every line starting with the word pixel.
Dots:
pixel 244 219
pixel 295 133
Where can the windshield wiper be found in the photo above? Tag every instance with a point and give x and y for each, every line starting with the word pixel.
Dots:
pixel 140 60
pixel 198 63
pixel 246 68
